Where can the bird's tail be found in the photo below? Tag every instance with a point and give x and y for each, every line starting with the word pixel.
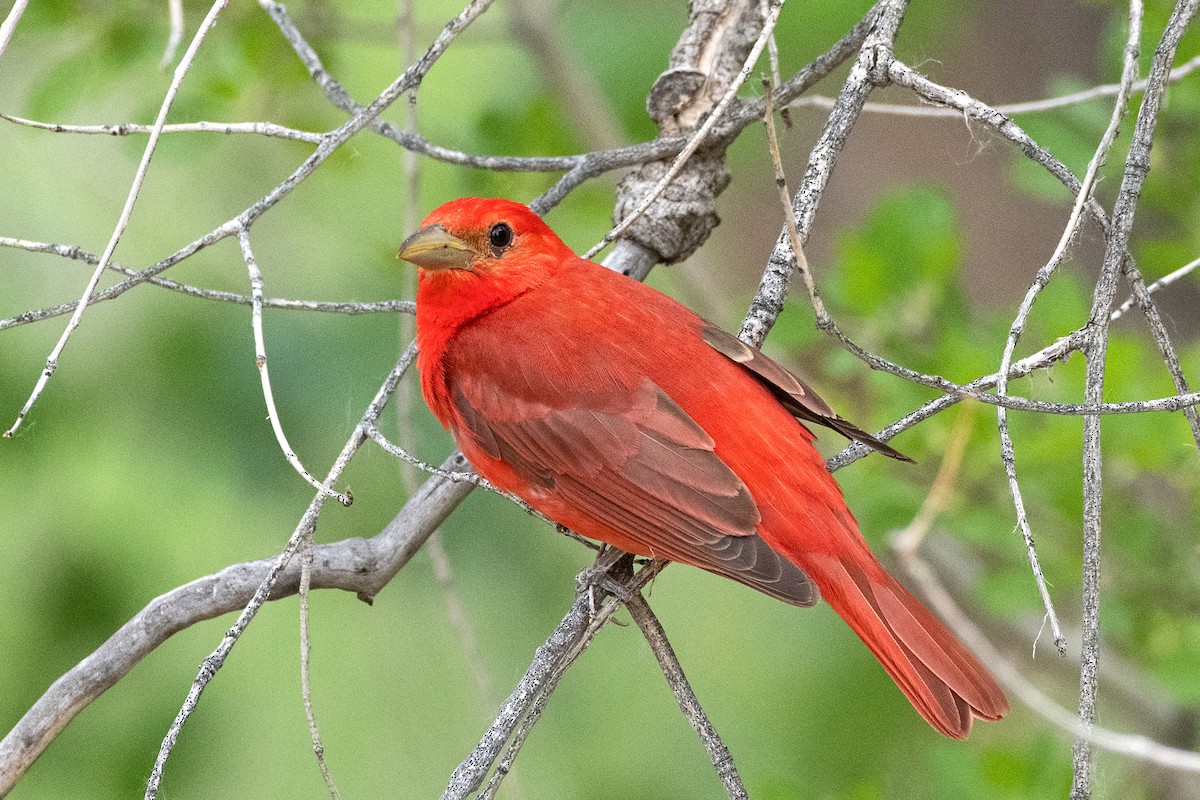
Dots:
pixel 943 681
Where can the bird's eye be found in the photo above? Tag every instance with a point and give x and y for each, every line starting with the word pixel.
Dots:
pixel 500 236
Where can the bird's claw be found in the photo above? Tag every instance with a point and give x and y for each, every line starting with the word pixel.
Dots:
pixel 596 579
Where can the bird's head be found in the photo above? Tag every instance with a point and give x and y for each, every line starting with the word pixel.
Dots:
pixel 486 237
pixel 477 254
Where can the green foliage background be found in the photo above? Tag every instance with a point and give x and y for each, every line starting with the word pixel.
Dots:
pixel 148 462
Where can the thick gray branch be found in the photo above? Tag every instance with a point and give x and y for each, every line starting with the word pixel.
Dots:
pixel 362 566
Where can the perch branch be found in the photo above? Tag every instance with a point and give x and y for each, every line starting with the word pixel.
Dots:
pixel 565 644
pixel 718 753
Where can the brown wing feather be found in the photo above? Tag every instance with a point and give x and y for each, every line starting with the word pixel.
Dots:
pixel 794 394
pixel 647 471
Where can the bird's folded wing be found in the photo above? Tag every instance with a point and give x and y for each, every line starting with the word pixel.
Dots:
pixel 793 394
pixel 637 463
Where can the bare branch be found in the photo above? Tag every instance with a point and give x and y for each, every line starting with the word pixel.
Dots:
pixel 1042 278
pixel 718 753
pixel 876 50
pixel 127 128
pixel 310 714
pixel 569 640
pixel 9 26
pixel 175 11
pixel 1137 164
pixel 260 360
pixel 126 212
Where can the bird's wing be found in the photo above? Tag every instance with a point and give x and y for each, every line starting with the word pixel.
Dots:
pixel 793 394
pixel 638 464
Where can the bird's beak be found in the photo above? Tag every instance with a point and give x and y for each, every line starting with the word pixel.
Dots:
pixel 433 247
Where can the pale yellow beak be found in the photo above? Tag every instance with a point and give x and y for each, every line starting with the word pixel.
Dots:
pixel 433 247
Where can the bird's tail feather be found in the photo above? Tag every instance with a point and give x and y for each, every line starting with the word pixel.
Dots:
pixel 943 681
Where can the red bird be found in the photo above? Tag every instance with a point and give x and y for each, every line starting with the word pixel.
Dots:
pixel 618 412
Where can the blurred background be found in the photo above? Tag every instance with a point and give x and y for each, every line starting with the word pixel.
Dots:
pixel 148 462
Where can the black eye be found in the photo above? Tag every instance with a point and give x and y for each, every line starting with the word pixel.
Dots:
pixel 500 236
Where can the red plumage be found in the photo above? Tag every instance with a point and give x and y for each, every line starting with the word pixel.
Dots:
pixel 621 414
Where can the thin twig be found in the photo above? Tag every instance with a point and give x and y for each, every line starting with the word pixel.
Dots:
pixel 825 322
pixel 307 523
pixel 785 198
pixel 9 26
pixel 260 360
pixel 457 476
pixel 123 221
pixel 270 129
pixel 1102 91
pixel 1162 282
pixel 79 254
pixel 773 60
pixel 1041 279
pixel 307 548
pixel 468 476
pixel 175 11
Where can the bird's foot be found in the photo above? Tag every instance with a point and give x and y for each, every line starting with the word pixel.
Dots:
pixel 599 580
